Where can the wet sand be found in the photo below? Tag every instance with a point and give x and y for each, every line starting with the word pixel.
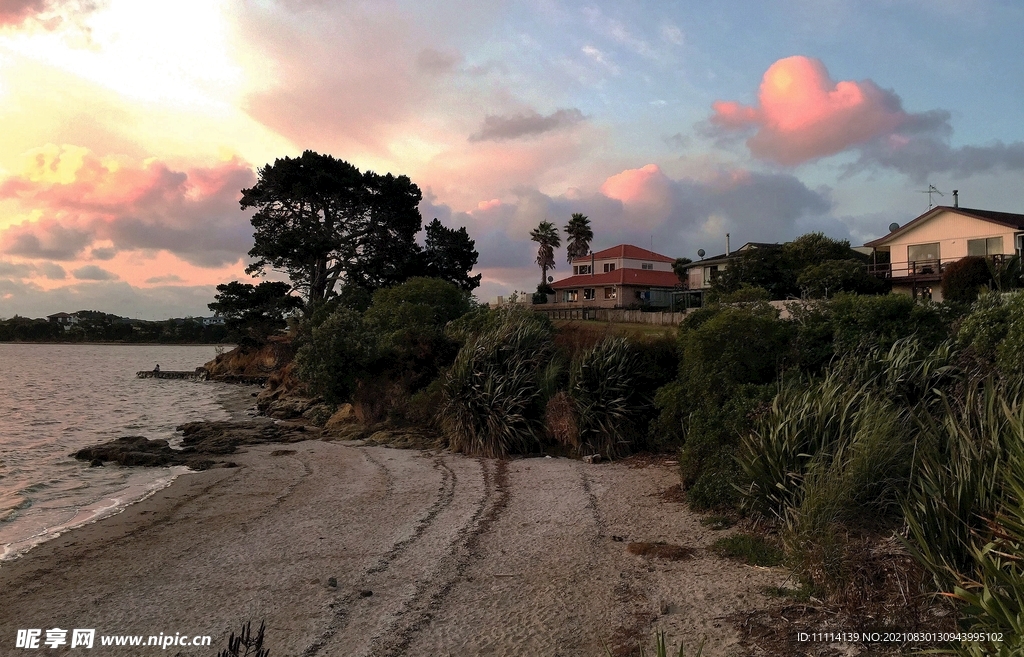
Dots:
pixel 350 550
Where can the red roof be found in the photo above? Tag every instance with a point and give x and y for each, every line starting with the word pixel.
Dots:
pixel 626 251
pixel 622 276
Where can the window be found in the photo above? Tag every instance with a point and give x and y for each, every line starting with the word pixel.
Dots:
pixel 588 294
pixel 572 295
pixel 924 258
pixel 580 269
pixel 609 266
pixel 646 265
pixel 710 274
pixel 985 247
pixel 609 292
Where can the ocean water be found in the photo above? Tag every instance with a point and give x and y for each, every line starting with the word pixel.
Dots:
pixel 56 399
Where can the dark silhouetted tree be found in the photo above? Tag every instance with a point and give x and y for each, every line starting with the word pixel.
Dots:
pixel 252 313
pixel 323 222
pixel 546 236
pixel 450 255
pixel 579 235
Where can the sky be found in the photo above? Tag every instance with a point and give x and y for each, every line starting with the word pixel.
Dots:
pixel 128 128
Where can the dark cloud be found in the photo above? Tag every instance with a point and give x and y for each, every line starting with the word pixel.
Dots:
pixel 169 278
pixel 48 13
pixel 436 62
pixel 921 156
pixel 102 253
pixel 51 270
pixel 193 214
pixel 526 124
pixel 94 273
pixel 15 12
pixel 46 239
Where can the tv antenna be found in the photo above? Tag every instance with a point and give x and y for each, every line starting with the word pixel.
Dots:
pixel 932 189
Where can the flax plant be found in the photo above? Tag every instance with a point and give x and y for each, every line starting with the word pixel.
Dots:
pixel 605 386
pixel 492 393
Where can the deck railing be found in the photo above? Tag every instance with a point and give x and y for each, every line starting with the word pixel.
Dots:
pixel 931 268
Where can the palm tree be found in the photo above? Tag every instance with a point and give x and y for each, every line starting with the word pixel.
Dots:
pixel 580 235
pixel 546 235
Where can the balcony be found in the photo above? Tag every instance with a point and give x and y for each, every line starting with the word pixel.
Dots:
pixel 923 270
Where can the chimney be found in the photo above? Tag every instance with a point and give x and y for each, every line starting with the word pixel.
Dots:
pixel 727 252
pixel 591 262
pixel 956 198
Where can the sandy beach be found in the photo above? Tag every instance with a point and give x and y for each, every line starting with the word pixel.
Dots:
pixel 345 549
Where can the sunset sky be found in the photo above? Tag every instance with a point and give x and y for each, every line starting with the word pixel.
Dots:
pixel 129 127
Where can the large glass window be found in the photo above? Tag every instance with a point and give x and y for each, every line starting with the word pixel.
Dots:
pixel 609 266
pixel 609 293
pixel 924 258
pixel 572 295
pixel 588 294
pixel 985 247
pixel 916 252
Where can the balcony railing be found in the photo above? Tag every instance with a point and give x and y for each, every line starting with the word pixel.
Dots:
pixel 923 269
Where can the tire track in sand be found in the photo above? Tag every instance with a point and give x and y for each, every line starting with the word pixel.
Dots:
pixel 432 589
pixel 445 495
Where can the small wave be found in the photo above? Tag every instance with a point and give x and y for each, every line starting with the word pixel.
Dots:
pixel 104 508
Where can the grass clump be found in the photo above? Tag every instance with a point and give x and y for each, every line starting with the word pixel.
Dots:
pixel 491 397
pixel 605 385
pixel 750 548
pixel 717 523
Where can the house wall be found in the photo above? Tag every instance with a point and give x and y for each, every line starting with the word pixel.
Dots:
pixel 623 263
pixel 951 230
pixel 699 276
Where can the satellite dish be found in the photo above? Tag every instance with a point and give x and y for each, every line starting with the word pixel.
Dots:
pixel 700 252
pixel 550 278
pixel 893 227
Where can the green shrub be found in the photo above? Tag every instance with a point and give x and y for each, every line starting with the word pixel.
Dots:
pixel 336 353
pixel 831 277
pixel 962 279
pixel 750 548
pixel 605 386
pixel 417 303
pixel 491 397
pixel 849 322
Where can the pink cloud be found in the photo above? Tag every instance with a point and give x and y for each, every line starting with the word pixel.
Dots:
pixel 802 114
pixel 81 200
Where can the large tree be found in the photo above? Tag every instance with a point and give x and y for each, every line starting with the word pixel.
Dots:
pixel 579 235
pixel 450 255
pixel 546 236
pixel 322 221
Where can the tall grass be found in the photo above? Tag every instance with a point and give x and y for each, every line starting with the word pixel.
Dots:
pixel 491 396
pixel 605 384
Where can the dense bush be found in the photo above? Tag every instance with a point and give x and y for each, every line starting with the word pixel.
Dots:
pixel 962 279
pixel 834 276
pixel 850 322
pixel 492 399
pixel 336 354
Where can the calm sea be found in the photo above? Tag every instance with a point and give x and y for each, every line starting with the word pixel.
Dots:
pixel 56 399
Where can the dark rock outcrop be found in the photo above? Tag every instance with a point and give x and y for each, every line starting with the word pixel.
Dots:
pixel 203 443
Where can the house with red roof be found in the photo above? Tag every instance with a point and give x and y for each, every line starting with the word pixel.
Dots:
pixel 919 251
pixel 619 277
